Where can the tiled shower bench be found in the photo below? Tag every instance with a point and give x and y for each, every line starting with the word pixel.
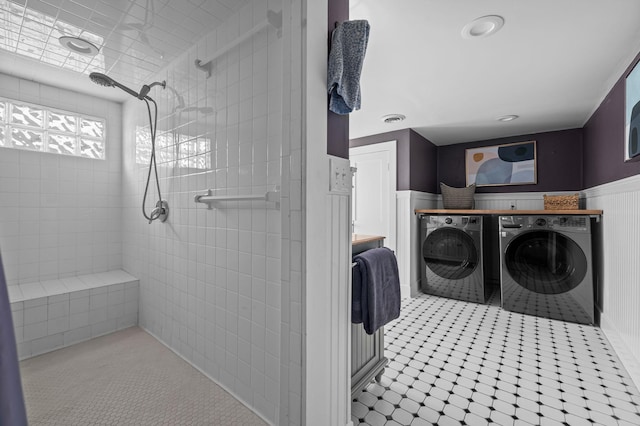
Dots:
pixel 49 315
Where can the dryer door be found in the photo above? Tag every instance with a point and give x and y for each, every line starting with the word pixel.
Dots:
pixel 545 262
pixel 450 253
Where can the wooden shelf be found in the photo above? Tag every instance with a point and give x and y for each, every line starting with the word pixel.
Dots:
pixel 362 239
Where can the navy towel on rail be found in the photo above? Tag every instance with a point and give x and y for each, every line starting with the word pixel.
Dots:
pixel 376 289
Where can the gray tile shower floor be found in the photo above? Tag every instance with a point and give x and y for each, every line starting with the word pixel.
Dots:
pixel 125 378
pixel 459 363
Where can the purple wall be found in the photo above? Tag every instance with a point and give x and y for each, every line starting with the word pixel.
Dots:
pixel 416 159
pixel 604 139
pixel 337 125
pixel 559 162
pixel 423 164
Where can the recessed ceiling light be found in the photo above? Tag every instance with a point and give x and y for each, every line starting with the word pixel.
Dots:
pixel 79 45
pixel 483 27
pixel 392 118
pixel 507 118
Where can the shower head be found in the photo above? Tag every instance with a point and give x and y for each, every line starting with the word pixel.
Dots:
pixel 146 88
pixel 105 80
pixel 101 79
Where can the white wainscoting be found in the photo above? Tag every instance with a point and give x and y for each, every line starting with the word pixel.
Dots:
pixel 515 200
pixel 339 222
pixel 519 201
pixel 328 301
pixel 620 319
pixel 408 244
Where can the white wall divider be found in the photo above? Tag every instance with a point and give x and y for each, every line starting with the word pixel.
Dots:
pixel 620 318
pixel 339 216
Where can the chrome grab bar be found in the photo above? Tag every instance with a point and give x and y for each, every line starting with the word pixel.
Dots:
pixel 209 198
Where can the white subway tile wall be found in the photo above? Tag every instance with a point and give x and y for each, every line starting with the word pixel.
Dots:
pixel 60 216
pixel 222 287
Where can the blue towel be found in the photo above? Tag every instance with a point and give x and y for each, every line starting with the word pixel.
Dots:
pixel 379 289
pixel 348 47
pixel 12 410
pixel 356 293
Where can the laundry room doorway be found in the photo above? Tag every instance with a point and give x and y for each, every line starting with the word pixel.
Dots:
pixel 374 191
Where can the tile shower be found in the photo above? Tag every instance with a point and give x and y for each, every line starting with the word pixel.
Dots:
pixel 212 285
pixel 220 287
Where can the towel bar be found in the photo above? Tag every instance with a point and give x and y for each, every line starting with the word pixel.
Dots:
pixel 273 19
pixel 209 198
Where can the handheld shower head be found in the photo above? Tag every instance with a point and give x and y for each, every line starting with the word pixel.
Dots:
pixel 147 88
pixel 101 79
pixel 105 80
pixel 162 207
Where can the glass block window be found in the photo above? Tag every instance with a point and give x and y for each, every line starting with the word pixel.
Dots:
pixel 178 149
pixel 38 128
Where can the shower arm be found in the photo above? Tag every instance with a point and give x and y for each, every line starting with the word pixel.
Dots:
pixel 144 91
pixel 158 83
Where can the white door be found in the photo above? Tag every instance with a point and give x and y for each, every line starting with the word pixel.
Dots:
pixel 374 189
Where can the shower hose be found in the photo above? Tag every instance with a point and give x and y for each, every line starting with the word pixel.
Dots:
pixel 153 122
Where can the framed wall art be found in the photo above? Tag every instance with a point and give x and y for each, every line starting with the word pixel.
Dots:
pixel 508 164
pixel 632 114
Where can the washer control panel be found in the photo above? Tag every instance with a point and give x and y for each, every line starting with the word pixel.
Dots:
pixel 573 223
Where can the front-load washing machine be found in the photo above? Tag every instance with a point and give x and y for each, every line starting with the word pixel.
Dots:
pixel 451 257
pixel 546 266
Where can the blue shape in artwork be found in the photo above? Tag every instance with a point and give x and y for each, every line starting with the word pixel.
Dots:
pixel 516 153
pixel 522 176
pixel 494 171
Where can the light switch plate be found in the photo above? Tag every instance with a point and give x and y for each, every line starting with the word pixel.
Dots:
pixel 340 175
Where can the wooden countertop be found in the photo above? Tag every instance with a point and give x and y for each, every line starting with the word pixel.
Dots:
pixel 510 212
pixel 361 238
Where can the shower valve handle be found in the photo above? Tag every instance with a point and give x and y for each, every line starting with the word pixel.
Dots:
pixel 160 212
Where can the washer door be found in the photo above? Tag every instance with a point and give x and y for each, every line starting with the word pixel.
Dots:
pixel 450 253
pixel 545 262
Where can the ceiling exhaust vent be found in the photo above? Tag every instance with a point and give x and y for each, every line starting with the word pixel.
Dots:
pixel 393 118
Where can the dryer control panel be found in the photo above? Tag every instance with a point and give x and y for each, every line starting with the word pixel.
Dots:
pixel 457 221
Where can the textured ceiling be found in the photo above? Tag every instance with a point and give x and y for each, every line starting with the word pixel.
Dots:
pixel 136 38
pixel 552 63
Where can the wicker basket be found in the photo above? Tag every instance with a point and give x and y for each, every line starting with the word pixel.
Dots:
pixel 561 202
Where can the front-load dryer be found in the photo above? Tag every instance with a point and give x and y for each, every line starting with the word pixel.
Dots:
pixel 546 266
pixel 451 257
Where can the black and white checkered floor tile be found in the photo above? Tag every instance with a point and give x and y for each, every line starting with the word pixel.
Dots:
pixel 458 363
